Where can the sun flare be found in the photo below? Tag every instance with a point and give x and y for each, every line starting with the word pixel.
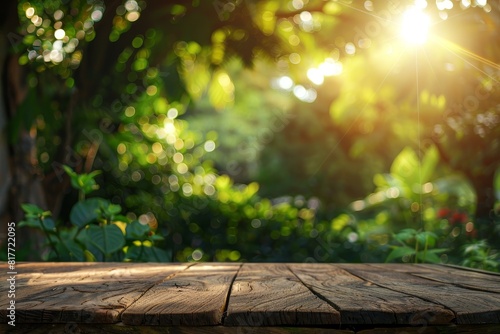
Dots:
pixel 415 26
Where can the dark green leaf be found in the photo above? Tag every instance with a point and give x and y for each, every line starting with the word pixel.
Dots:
pixel 399 252
pixel 87 211
pixel 107 238
pixel 137 231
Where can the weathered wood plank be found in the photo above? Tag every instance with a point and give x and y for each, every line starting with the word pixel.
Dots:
pixel 466 279
pixel 470 306
pixel 77 292
pixel 452 275
pixel 195 297
pixel 270 295
pixel 361 302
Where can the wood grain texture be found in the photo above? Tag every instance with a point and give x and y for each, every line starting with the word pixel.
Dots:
pixel 194 297
pixel 270 295
pixel 361 302
pixel 78 292
pixel 469 306
pixel 466 279
pixel 236 298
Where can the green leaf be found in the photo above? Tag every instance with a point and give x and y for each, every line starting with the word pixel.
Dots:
pixel 399 252
pixel 429 163
pixel 49 224
pixel 405 235
pixel 87 211
pixel 422 236
pixel 84 182
pixel 70 250
pixel 35 223
pixel 147 254
pixel 111 210
pixel 107 238
pixel 137 231
pixel 406 166
pixel 428 257
pixel 156 237
pixel 72 174
pixel 159 255
pixel 32 209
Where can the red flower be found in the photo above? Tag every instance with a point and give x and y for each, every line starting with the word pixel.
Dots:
pixel 458 218
pixel 443 213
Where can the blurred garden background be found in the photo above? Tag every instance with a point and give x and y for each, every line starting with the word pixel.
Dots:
pixel 261 131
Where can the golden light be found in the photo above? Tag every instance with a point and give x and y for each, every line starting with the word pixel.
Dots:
pixel 415 26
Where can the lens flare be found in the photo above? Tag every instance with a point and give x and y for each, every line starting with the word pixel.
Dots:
pixel 415 26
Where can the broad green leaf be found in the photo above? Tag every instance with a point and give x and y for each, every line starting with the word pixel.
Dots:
pixel 399 252
pixel 405 235
pixel 107 238
pixel 87 211
pixel 406 166
pixel 431 255
pixel 429 162
pixel 70 250
pixel 48 224
pixel 159 255
pixel 137 231
pixel 426 236
pixel 147 254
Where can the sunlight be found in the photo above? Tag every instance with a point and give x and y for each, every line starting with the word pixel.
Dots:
pixel 415 26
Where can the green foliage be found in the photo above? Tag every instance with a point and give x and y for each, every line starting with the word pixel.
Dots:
pixel 480 255
pixel 415 246
pixel 84 183
pixel 97 231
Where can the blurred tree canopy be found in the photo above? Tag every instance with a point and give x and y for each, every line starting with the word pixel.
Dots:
pixel 197 112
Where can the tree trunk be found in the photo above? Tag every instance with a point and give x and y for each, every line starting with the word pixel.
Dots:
pixel 19 182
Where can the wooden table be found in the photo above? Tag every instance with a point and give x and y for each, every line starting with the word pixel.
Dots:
pixel 245 298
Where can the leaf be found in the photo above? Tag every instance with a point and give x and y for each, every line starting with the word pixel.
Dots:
pixel 49 224
pixel 69 249
pixel 430 255
pixel 111 210
pixel 405 235
pixel 159 254
pixel 35 223
pixel 83 182
pixel 399 252
pixel 429 162
pixel 107 238
pixel 87 211
pixel 156 237
pixel 422 236
pixel 69 171
pixel 406 166
pixel 137 231
pixel 32 209
pixel 147 254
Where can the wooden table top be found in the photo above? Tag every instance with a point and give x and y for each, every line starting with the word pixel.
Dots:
pixel 225 296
